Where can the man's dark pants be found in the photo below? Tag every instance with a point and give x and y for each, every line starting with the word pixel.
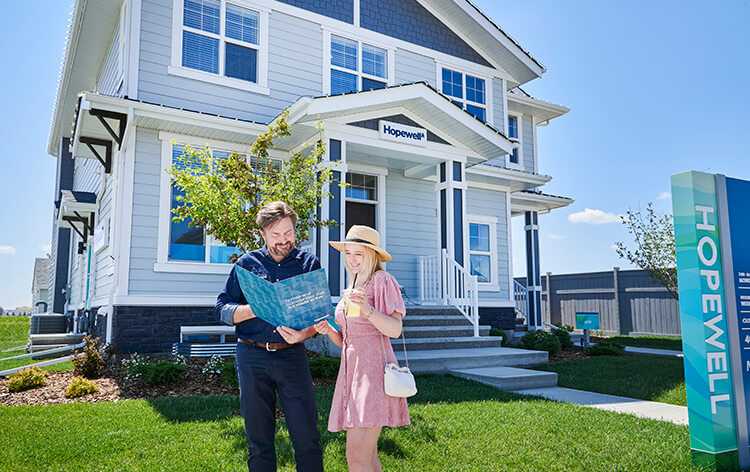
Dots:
pixel 261 374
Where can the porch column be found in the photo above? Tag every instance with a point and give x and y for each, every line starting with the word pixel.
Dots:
pixel 533 275
pixel 451 189
pixel 333 209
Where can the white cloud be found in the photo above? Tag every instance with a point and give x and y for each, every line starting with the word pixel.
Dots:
pixel 594 217
pixel 7 250
pixel 557 236
pixel 613 247
pixel 664 196
pixel 47 248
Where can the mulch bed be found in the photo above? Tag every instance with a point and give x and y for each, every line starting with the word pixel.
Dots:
pixel 113 387
pixel 572 355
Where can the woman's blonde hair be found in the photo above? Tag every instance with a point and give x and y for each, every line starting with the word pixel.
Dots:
pixel 371 262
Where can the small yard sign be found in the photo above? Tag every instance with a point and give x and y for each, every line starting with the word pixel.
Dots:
pixel 587 320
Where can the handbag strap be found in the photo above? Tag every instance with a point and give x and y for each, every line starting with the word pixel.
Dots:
pixel 403 340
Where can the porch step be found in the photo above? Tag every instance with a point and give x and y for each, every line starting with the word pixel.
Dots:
pixel 416 332
pixel 431 310
pixel 508 378
pixel 436 320
pixel 445 360
pixel 61 338
pixel 446 343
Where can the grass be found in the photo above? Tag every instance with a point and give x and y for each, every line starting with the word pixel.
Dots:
pixel 656 342
pixel 655 378
pixel 457 425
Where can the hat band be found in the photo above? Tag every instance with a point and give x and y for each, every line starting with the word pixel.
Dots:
pixel 357 240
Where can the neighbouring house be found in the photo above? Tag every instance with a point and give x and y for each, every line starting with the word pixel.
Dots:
pixel 422 110
pixel 40 285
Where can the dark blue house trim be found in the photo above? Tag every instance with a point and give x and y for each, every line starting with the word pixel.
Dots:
pixel 338 9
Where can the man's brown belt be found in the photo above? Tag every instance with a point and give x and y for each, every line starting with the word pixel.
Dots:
pixel 267 346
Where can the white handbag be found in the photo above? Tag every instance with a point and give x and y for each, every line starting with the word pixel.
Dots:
pixel 398 381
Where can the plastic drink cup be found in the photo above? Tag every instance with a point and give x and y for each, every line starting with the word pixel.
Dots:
pixel 351 309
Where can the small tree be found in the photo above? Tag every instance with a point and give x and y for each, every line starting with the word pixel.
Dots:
pixel 224 196
pixel 654 251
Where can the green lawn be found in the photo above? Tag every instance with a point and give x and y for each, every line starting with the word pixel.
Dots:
pixel 458 425
pixel 655 378
pixel 656 342
pixel 14 331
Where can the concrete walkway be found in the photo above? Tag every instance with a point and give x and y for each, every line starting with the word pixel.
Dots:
pixel 640 408
pixel 653 352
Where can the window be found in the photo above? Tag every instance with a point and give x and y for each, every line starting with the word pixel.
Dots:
pixel 190 243
pixel 361 200
pixel 466 91
pixel 482 249
pixel 221 38
pixel 513 123
pixel 357 66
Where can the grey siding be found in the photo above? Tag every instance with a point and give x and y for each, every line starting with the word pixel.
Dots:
pixel 411 227
pixel 294 68
pixel 499 113
pixel 104 264
pixel 86 177
pixel 338 9
pixel 413 67
pixel 110 75
pixel 493 203
pixel 528 143
pixel 145 226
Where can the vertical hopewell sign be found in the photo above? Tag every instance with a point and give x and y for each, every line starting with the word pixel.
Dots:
pixel 711 225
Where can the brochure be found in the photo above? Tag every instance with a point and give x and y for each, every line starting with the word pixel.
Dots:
pixel 296 302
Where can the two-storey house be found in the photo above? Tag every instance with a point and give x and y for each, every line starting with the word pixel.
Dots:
pixel 421 111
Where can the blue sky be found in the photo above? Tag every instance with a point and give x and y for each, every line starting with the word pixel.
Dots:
pixel 654 88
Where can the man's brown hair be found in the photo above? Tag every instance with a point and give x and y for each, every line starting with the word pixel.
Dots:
pixel 272 212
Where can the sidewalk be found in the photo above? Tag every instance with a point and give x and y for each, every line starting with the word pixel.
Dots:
pixel 652 351
pixel 640 408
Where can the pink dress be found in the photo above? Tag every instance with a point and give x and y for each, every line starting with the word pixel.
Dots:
pixel 359 400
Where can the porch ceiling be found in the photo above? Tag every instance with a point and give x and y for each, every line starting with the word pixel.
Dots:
pixel 524 201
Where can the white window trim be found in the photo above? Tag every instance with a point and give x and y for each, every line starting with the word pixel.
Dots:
pixel 490 221
pixel 327 66
pixel 163 264
pixel 488 106
pixel 519 141
pixel 176 68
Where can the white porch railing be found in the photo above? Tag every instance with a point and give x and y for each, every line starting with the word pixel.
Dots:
pixel 429 279
pixel 461 290
pixel 521 297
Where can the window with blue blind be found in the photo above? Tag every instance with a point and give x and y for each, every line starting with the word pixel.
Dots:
pixel 466 91
pixel 513 135
pixel 204 40
pixel 190 243
pixel 357 66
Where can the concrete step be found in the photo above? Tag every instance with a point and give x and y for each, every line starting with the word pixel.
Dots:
pixel 431 310
pixel 413 332
pixel 508 378
pixel 45 347
pixel 61 338
pixel 424 344
pixel 436 320
pixel 444 360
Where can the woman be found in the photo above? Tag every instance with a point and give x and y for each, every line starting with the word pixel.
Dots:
pixel 360 405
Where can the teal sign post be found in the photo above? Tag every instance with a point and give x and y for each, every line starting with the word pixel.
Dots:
pixel 711 227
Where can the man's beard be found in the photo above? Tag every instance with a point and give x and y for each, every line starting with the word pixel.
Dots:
pixel 281 250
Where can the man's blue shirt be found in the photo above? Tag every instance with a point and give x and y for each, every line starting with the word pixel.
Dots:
pixel 260 263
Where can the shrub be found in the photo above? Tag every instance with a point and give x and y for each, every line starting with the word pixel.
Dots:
pixel 541 340
pixel 90 363
pixel 606 348
pixel 564 337
pixel 324 367
pixel 80 387
pixel 499 332
pixel 133 365
pixel 27 379
pixel 163 372
pixel 566 327
pixel 225 368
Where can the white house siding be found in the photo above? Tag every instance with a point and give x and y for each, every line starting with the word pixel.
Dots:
pixel 412 67
pixel 110 75
pixel 104 264
pixel 145 226
pixel 492 203
pixel 76 266
pixel 295 68
pixel 411 227
pixel 527 130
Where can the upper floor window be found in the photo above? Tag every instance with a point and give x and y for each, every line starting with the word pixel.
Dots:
pixel 467 91
pixel 357 66
pixel 513 124
pixel 221 42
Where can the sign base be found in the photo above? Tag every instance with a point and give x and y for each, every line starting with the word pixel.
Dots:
pixel 722 462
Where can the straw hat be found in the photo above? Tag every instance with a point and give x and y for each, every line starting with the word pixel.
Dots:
pixel 366 236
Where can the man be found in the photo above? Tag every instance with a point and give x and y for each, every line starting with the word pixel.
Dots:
pixel 269 359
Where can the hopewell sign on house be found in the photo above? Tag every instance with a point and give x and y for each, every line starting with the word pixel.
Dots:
pixel 712 230
pixel 404 134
